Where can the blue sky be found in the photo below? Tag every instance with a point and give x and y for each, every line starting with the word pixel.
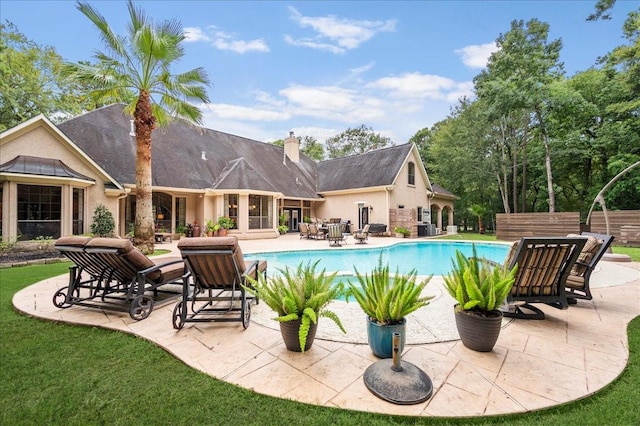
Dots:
pixel 320 67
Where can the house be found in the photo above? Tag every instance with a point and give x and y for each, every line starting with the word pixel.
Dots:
pixel 52 177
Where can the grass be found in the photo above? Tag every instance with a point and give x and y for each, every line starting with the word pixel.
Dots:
pixel 61 374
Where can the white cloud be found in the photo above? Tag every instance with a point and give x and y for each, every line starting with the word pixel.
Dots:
pixel 415 85
pixel 477 55
pixel 195 34
pixel 337 35
pixel 223 41
pixel 239 112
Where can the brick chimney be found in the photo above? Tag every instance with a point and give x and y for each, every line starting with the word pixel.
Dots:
pixel 292 148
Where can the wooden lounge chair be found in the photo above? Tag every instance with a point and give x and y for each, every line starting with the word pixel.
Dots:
pixel 217 269
pixel 334 235
pixel 361 235
pixel 543 266
pixel 578 280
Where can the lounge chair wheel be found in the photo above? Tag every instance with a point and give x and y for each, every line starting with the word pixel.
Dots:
pixel 60 298
pixel 141 307
pixel 178 322
pixel 246 313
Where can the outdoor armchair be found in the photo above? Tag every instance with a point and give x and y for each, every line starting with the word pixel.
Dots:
pixel 361 235
pixel 543 266
pixel 578 280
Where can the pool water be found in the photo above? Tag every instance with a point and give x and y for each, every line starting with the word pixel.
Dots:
pixel 427 257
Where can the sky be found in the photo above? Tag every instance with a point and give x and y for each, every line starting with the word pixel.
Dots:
pixel 318 68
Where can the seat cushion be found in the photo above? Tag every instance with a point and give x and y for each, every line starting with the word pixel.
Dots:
pixel 168 273
pixel 587 253
pixel 73 241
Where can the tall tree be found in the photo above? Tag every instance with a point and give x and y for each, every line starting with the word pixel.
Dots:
pixel 356 141
pixel 142 62
pixel 311 148
pixel 29 81
pixel 518 77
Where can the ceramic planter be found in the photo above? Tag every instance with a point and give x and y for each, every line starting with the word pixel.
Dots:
pixel 477 332
pixel 381 337
pixel 289 331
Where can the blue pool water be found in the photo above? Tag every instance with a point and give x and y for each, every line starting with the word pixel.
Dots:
pixel 427 257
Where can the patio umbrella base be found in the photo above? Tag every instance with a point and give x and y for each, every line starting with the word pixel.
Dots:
pixel 405 386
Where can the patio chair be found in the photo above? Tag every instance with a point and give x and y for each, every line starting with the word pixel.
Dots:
pixel 543 266
pixel 334 235
pixel 130 280
pixel 304 230
pixel 578 280
pixel 85 275
pixel 361 235
pixel 218 271
pixel 314 232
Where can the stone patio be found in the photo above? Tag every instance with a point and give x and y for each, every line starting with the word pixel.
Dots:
pixel 535 364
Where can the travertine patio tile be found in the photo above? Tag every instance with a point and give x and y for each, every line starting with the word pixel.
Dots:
pixel 311 392
pixel 599 378
pixel 276 378
pixel 263 359
pixel 225 360
pixel 339 369
pixel 471 379
pixel 190 349
pixel 542 377
pixel 435 365
pixel 454 401
pixel 559 352
pixel 300 360
pixel 523 398
pixel 499 402
pixel 604 361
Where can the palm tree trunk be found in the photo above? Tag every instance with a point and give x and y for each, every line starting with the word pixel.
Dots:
pixel 144 223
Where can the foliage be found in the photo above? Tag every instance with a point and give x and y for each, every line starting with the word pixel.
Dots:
pixel 6 244
pixel 226 222
pixel 401 230
pixel 478 211
pixel 211 226
pixel 476 284
pixel 30 83
pixel 356 141
pixel 299 294
pixel 102 224
pixel 309 146
pixel 283 229
pixel 388 300
pixel 140 63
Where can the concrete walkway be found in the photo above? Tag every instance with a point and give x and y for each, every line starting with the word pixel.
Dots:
pixel 535 364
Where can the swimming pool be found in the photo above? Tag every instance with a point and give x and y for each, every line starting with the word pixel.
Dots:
pixel 427 257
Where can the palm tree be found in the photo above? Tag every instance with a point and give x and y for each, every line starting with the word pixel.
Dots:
pixel 478 211
pixel 136 69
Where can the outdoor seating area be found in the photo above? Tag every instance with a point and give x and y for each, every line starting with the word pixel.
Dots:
pixel 466 383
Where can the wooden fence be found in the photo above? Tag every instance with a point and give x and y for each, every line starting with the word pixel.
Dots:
pixel 624 225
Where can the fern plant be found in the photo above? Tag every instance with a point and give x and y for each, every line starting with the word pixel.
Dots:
pixel 301 294
pixel 388 300
pixel 477 284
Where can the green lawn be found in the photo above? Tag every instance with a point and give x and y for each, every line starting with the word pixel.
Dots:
pixel 59 374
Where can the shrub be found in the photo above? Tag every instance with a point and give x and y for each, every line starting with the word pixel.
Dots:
pixel 103 224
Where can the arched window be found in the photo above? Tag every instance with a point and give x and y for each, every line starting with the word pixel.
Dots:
pixel 411 172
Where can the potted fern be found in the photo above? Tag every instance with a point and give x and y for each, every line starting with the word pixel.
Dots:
pixel 299 297
pixel 479 288
pixel 386 301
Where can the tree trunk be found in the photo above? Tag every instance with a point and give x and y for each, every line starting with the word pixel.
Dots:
pixel 547 164
pixel 144 223
pixel 523 194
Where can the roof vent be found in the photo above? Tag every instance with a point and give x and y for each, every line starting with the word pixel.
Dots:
pixel 204 156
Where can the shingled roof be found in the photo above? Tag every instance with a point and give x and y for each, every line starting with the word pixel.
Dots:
pixel 371 169
pixel 192 157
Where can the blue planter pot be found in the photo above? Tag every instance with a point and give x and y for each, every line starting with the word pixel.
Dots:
pixel 381 338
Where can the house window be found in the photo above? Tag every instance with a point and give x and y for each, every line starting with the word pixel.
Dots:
pixel 130 214
pixel 420 214
pixel 78 211
pixel 260 212
pixel 162 211
pixel 39 211
pixel 411 173
pixel 231 208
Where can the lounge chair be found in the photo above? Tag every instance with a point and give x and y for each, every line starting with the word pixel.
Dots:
pixel 361 235
pixel 543 266
pixel 121 277
pixel 334 235
pixel 217 269
pixel 578 280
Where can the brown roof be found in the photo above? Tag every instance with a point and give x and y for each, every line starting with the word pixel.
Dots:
pixel 371 169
